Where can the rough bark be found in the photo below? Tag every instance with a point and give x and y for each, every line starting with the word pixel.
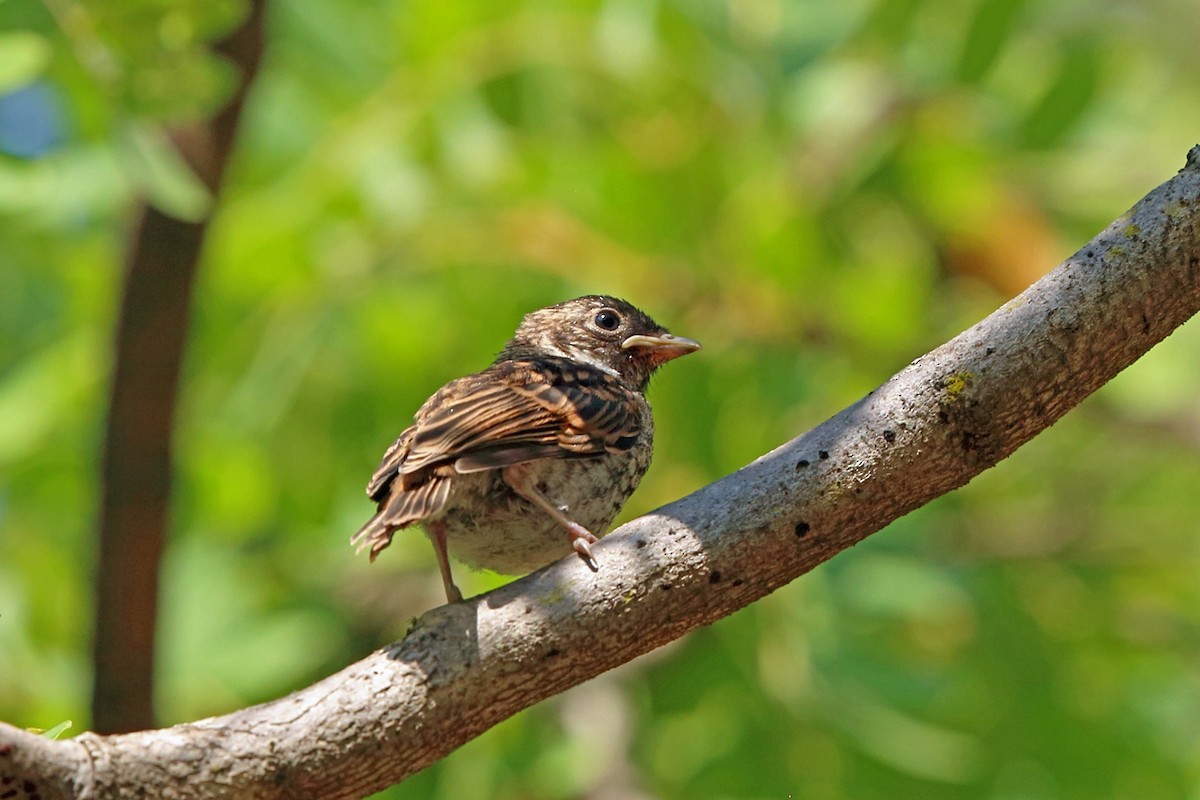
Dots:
pixel 137 458
pixel 942 420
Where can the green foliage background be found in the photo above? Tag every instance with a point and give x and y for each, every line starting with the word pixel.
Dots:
pixel 818 191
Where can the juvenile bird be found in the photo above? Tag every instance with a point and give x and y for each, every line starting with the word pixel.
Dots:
pixel 516 466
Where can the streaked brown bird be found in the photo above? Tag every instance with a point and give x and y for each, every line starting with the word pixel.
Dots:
pixel 516 466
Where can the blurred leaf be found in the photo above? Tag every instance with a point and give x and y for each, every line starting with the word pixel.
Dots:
pixel 159 170
pixel 1067 97
pixel 225 641
pixel 991 28
pixel 23 57
pixel 903 588
pixel 893 19
pixel 35 397
pixel 907 743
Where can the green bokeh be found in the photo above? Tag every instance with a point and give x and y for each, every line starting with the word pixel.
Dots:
pixel 819 192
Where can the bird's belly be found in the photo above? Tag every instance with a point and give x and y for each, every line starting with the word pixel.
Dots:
pixel 490 527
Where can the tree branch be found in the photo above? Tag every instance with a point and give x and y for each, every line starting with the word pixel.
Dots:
pixel 939 422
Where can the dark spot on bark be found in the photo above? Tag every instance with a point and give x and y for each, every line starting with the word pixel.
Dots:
pixel 802 529
pixel 714 576
pixel 989 351
pixel 969 441
pixel 822 454
pixel 802 463
pixel 553 652
pixel 1145 324
pixel 738 581
pixel 281 777
pixel 943 418
pixel 889 436
pixel 666 587
pixel 640 543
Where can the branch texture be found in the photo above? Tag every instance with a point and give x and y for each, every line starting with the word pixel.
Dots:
pixel 942 420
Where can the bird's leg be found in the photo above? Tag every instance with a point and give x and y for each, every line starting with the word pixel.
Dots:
pixel 437 535
pixel 517 478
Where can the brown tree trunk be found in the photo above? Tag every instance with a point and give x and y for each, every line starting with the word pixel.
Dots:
pixel 136 472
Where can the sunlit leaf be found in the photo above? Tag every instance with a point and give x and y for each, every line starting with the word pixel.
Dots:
pixel 58 730
pixel 23 57
pixel 160 171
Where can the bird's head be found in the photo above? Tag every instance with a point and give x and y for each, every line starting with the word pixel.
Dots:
pixel 606 332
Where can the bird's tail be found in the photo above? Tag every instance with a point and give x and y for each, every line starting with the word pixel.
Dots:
pixel 403 508
pixel 376 535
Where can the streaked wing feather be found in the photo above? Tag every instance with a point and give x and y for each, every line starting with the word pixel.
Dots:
pixel 414 503
pixel 482 460
pixel 389 466
pixel 519 410
pixel 401 506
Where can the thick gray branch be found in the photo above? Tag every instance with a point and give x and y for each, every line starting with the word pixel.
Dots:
pixel 942 420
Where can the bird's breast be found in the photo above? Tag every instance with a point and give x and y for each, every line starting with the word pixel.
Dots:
pixel 489 527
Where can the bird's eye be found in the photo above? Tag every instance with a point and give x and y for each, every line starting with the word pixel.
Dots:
pixel 607 320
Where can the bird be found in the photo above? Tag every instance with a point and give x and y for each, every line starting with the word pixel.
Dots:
pixel 530 459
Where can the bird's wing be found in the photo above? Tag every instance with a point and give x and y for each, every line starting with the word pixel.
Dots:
pixel 515 411
pixel 389 465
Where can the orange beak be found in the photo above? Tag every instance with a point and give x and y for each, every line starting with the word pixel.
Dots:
pixel 661 348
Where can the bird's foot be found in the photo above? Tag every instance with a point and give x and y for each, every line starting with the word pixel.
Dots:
pixel 437 534
pixel 582 540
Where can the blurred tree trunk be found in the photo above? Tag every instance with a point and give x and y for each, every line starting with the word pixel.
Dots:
pixel 137 459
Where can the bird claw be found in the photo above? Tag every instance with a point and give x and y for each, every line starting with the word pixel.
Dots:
pixel 582 540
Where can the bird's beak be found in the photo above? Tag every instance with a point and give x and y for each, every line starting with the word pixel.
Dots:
pixel 661 348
